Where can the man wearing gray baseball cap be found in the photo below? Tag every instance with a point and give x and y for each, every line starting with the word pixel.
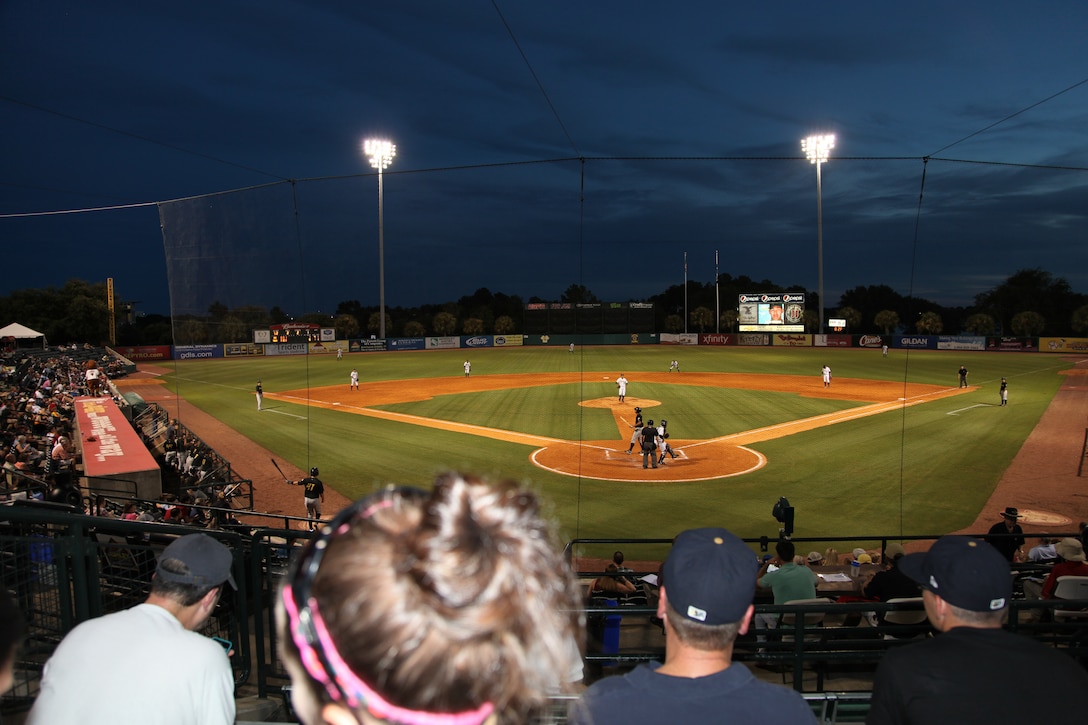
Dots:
pixel 148 663
pixel 707 584
pixel 973 670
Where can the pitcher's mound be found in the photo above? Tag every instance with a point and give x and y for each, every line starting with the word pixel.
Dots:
pixel 608 461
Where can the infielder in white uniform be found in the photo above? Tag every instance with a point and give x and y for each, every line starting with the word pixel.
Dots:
pixel 621 385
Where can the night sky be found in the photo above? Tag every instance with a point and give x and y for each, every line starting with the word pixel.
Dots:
pixel 539 144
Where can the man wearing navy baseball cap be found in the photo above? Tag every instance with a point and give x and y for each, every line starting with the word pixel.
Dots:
pixel 973 670
pixel 707 584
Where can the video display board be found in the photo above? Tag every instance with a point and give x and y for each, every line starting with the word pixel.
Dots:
pixel 771 312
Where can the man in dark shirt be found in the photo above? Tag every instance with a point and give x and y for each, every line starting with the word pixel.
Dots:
pixel 313 492
pixel 972 671
pixel 891 582
pixel 707 584
pixel 1006 535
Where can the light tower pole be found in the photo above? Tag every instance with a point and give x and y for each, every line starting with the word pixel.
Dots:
pixel 380 153
pixel 818 149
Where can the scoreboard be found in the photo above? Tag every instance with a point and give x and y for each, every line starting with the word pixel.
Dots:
pixel 295 333
pixel 771 312
pixel 311 334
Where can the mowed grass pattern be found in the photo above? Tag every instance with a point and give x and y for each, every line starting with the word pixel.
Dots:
pixel 926 469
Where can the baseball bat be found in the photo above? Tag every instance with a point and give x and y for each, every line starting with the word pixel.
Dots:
pixel 285 478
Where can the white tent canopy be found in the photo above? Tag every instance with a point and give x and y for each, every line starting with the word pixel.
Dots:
pixel 21 332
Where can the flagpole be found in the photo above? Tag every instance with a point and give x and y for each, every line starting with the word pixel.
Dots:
pixel 685 293
pixel 717 297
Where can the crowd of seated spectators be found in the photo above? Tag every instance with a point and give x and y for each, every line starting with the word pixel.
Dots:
pixel 37 414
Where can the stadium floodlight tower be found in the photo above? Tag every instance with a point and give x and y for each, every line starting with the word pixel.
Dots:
pixel 818 149
pixel 380 153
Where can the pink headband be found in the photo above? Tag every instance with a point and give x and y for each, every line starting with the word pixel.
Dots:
pixel 355 689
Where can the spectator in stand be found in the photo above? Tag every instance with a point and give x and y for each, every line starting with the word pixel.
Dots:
pixel 831 557
pixel 815 558
pixel 787 583
pixel 612 585
pixel 707 585
pixel 973 670
pixel 891 582
pixel 1006 535
pixel 12 631
pixel 1071 562
pixel 79 686
pixel 1044 552
pixel 447 606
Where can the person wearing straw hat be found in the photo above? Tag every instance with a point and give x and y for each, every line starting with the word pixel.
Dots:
pixel 1071 562
pixel 1006 535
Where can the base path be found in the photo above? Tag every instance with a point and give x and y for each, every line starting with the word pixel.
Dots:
pixel 697 460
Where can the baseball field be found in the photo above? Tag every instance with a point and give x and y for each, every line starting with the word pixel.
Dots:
pixel 893 445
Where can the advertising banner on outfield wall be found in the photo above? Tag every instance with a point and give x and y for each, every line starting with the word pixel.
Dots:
pixel 369 344
pixel 683 338
pixel 328 348
pixel 960 342
pixel 145 353
pixel 406 343
pixel 833 340
pixel 787 340
pixel 197 352
pixel 242 349
pixel 1012 344
pixel 915 342
pixel 870 341
pixel 1063 344
pixel 717 338
pixel 508 341
pixel 285 348
pixel 753 338
pixel 442 343
pixel 476 341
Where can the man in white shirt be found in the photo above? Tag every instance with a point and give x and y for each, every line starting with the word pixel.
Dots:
pixel 147 664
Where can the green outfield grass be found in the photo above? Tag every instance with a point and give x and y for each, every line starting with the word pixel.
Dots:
pixel 927 469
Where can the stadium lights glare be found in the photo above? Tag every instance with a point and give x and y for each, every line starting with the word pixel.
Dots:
pixel 818 150
pixel 380 153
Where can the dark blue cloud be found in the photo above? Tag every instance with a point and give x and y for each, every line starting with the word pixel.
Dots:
pixel 108 104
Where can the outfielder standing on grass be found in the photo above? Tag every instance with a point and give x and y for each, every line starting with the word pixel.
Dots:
pixel 314 495
pixel 260 395
pixel 1004 391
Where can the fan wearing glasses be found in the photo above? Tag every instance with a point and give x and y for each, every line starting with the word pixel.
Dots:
pixel 445 607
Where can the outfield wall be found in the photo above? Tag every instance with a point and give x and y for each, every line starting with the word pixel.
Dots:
pixel 154 353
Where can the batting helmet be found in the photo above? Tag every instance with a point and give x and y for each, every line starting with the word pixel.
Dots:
pixel 638 409
pixel 664 422
pixel 313 471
